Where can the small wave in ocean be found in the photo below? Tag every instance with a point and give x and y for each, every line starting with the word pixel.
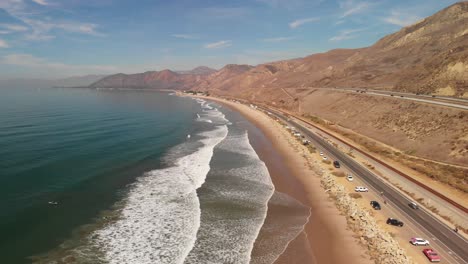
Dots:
pixel 210 202
pixel 233 203
pixel 161 216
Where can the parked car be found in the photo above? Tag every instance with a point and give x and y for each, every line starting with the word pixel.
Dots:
pixel 361 189
pixel 431 255
pixel 416 241
pixel 395 222
pixel 336 164
pixel 375 205
pixel 349 177
pixel 413 205
pixel 324 158
pixel 321 153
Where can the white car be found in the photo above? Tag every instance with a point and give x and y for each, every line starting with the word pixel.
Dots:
pixel 416 241
pixel 361 189
pixel 349 177
pixel 321 153
pixel 324 158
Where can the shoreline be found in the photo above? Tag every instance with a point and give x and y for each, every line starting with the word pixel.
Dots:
pixel 326 234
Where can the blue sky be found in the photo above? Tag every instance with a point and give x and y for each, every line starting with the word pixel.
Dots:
pixel 59 38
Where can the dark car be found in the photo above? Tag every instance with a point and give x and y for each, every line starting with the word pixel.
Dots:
pixel 395 222
pixel 336 164
pixel 375 205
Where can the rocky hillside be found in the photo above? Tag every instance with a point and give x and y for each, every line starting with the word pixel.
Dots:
pixel 165 79
pixel 430 56
pixel 200 70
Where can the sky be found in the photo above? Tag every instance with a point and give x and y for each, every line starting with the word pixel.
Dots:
pixel 60 38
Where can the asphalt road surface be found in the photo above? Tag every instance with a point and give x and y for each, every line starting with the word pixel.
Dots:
pixel 453 243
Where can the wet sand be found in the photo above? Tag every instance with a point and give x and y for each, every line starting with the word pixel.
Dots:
pixel 326 238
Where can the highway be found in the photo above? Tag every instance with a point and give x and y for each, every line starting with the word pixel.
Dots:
pixel 453 102
pixel 452 243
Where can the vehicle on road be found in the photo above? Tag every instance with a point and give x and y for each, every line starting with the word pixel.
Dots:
pixel 395 222
pixel 413 205
pixel 336 164
pixel 416 241
pixel 361 189
pixel 375 205
pixel 349 177
pixel 431 255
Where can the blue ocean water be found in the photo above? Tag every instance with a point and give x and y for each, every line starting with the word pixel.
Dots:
pixel 78 148
pixel 99 176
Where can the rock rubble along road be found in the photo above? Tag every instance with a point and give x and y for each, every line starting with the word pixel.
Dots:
pixel 452 246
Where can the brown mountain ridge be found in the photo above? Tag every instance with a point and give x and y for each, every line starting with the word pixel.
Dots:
pixel 427 57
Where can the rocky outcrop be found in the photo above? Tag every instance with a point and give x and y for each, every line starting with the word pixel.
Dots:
pixel 381 245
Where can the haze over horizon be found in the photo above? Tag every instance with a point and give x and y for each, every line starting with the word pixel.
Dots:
pixel 56 39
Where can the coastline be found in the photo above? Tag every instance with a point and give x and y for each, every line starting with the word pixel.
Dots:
pixel 326 235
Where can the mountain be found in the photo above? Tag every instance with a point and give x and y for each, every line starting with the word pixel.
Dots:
pixel 78 81
pixel 200 70
pixel 430 56
pixel 165 79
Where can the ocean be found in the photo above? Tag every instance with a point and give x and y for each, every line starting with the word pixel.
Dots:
pixel 119 176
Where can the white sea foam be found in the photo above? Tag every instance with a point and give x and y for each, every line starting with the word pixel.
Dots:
pixel 161 216
pixel 230 238
pixel 212 115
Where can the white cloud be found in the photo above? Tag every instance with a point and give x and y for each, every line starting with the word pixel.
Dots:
pixel 41 2
pixel 219 44
pixel 401 19
pixel 40 29
pixel 300 22
pixel 184 36
pixel 346 34
pixel 13 27
pixel 30 61
pixel 278 39
pixel 3 44
pixel 351 7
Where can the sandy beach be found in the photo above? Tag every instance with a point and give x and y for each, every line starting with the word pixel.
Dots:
pixel 326 238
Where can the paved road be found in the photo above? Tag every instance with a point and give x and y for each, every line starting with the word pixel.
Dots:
pixel 459 103
pixel 454 105
pixel 454 244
